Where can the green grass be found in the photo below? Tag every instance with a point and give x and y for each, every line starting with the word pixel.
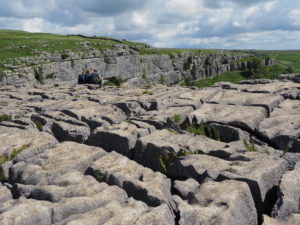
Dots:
pixel 4 159
pixel 176 118
pixel 39 125
pixel 205 130
pixel 115 82
pixel 250 146
pixel 233 77
pixel 15 44
pixel 271 72
pixel 285 58
pixel 172 52
pixel 5 117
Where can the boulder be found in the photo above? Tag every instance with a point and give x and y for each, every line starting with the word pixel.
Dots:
pixel 282 127
pixel 245 117
pixel 234 97
pixel 120 137
pixel 218 203
pixel 143 184
pixel 289 195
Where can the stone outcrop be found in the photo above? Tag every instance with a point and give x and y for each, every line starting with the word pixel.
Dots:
pixel 126 64
pixel 80 154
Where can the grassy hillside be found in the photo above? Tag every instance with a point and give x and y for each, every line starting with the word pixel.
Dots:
pixel 14 44
pixel 285 58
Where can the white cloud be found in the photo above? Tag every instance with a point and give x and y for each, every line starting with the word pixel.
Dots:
pixel 33 25
pixel 164 23
pixel 295 17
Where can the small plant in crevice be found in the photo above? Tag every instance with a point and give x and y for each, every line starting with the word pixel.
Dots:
pixel 286 150
pixel 4 159
pixel 186 66
pixel 166 159
pixel 115 81
pixel 177 119
pixel 50 76
pixel 39 125
pixel 15 152
pixel 64 56
pixel 38 74
pixel 147 92
pixel 250 146
pixel 5 117
pixel 188 81
pixel 129 122
pixel 72 63
pixel 205 130
pixel 101 177
pixel 208 62
pixel 172 131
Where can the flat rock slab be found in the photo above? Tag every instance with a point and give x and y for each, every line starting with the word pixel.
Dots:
pixel 5 196
pixel 152 148
pixel 13 139
pixel 261 174
pixel 274 87
pixel 93 113
pixel 120 137
pixel 288 202
pixel 218 203
pixel 203 95
pixel 282 127
pixel 139 182
pixel 161 147
pixel 53 162
pixel 234 97
pixel 82 200
pixel 244 117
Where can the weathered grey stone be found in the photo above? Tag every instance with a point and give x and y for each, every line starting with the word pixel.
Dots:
pixel 218 203
pixel 282 127
pixel 289 195
pixel 45 167
pixel 93 113
pixel 270 221
pixel 120 137
pixel 167 145
pixel 68 132
pixel 13 139
pixel 5 194
pixel 261 174
pixel 185 188
pixel 139 182
pixel 229 133
pixel 245 117
pixel 234 97
pixel 26 213
pixel 293 77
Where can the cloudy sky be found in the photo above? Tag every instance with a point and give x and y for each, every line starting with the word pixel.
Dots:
pixel 228 24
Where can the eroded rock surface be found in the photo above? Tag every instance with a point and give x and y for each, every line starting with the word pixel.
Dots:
pixel 78 154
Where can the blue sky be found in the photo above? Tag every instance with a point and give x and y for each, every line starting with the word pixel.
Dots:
pixel 227 24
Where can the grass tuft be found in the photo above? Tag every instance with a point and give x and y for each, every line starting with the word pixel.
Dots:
pixel 5 117
pixel 205 130
pixel 250 146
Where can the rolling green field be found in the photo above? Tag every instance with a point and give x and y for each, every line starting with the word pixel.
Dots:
pixel 285 58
